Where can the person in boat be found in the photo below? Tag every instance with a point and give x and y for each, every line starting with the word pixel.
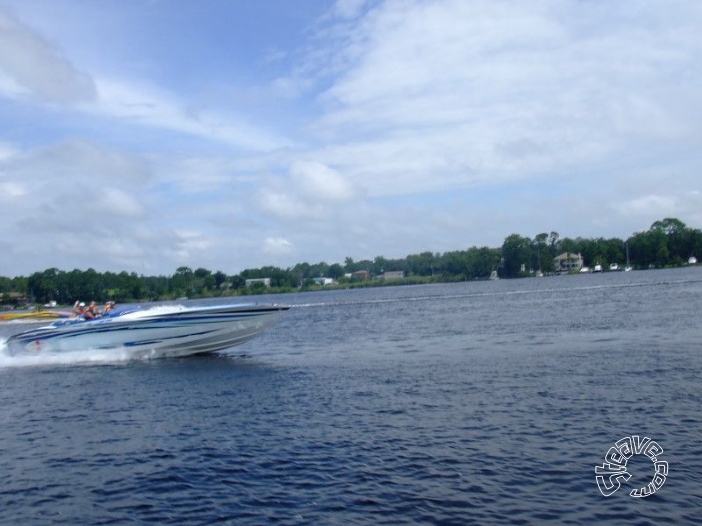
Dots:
pixel 91 312
pixel 108 307
pixel 79 308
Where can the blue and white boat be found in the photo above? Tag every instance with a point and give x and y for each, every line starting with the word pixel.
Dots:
pixel 156 331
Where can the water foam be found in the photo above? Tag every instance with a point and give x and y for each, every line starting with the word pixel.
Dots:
pixel 86 357
pixel 115 355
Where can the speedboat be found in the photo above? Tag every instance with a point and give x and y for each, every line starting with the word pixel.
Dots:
pixel 156 331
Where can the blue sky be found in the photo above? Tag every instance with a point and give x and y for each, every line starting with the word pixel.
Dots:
pixel 146 135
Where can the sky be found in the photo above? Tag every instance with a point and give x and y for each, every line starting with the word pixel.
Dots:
pixel 147 135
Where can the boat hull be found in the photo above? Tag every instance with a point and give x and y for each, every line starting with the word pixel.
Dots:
pixel 145 333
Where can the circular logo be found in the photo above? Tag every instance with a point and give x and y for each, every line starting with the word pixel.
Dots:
pixel 609 475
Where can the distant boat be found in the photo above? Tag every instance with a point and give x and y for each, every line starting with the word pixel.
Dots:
pixel 494 276
pixel 598 268
pixel 628 264
pixel 613 267
pixel 692 260
pixel 585 270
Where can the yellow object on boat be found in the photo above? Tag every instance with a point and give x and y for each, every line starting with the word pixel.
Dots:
pixel 34 315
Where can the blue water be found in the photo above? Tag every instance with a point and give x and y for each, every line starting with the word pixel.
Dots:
pixel 470 403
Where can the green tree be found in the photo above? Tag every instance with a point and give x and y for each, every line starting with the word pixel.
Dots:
pixel 670 226
pixel 181 282
pixel 516 252
pixel 421 264
pixel 220 279
pixel 454 264
pixel 335 271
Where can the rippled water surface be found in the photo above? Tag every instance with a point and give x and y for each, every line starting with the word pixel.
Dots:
pixel 485 403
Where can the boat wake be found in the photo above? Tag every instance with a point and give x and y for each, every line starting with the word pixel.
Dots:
pixel 82 357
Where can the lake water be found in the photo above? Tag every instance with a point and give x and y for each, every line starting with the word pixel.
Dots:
pixel 469 403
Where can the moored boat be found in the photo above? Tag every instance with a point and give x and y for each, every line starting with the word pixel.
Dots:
pixel 158 331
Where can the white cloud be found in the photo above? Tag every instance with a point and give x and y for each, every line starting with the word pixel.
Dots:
pixel 117 202
pixel 150 106
pixel 32 67
pixel 438 95
pixel 7 151
pixel 650 205
pixel 75 166
pixel 288 206
pixel 277 246
pixel 313 192
pixel 349 8
pixel 193 240
pixel 290 87
pixel 318 182
pixel 9 191
pixel 648 208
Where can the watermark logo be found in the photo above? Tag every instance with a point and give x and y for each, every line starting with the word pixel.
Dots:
pixel 609 476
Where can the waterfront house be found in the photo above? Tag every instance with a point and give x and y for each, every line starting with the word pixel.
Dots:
pixel 266 282
pixel 568 262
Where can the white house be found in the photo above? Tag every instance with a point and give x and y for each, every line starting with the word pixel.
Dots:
pixel 568 262
pixel 265 281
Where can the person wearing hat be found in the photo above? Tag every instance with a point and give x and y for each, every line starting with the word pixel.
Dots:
pixel 79 308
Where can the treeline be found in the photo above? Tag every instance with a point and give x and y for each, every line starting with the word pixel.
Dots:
pixel 668 242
